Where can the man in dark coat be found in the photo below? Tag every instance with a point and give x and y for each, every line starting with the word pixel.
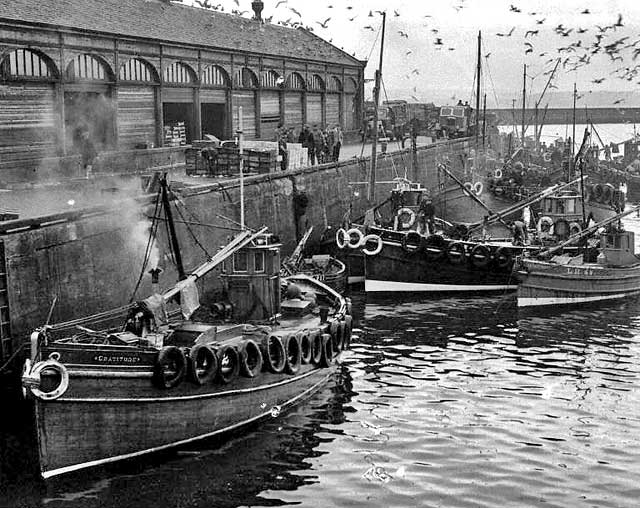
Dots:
pixel 306 140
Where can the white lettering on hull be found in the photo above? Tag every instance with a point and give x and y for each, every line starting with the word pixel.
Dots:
pixel 372 286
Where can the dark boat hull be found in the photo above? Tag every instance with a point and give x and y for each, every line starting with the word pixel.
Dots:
pixel 96 424
pixel 395 269
pixel 551 284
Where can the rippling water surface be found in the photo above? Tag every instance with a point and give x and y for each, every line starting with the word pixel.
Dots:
pixel 455 402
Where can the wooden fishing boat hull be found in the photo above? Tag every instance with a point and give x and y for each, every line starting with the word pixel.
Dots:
pixel 394 269
pixel 103 420
pixel 547 283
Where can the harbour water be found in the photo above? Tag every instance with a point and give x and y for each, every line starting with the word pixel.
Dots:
pixel 454 402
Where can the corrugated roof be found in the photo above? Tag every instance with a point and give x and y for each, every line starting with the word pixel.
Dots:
pixel 161 20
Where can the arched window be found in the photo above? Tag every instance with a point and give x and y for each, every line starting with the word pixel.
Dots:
pixel 295 81
pixel 316 83
pixel 179 73
pixel 88 67
pixel 334 84
pixel 215 76
pixel 138 70
pixel 26 63
pixel 270 79
pixel 245 78
pixel 350 85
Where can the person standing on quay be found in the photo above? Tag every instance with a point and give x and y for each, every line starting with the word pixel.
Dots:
pixel 306 140
pixel 88 152
pixel 319 140
pixel 281 138
pixel 338 139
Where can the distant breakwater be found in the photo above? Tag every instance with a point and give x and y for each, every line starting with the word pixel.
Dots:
pixel 565 115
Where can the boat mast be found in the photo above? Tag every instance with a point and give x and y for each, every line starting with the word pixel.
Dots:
pixel 175 246
pixel 573 136
pixel 484 120
pixel 478 70
pixel 376 100
pixel 536 134
pixel 524 100
pixel 241 165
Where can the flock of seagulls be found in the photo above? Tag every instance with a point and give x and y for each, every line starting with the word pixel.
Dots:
pixel 577 44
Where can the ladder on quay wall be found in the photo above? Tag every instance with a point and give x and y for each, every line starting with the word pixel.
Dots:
pixel 5 330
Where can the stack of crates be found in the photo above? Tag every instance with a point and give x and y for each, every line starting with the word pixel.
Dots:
pixel 260 161
pixel 197 161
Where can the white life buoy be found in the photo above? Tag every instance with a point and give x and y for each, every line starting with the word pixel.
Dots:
pixel 544 224
pixel 574 228
pixel 378 247
pixel 468 186
pixel 546 156
pixel 477 188
pixel 341 238
pixel 412 217
pixel 354 243
pixel 497 174
pixel 36 374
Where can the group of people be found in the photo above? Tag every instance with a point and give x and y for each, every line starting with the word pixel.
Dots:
pixel 323 145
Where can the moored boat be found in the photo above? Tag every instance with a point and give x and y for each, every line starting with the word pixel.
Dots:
pixel 176 372
pixel 610 272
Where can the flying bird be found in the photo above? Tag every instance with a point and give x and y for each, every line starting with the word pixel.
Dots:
pixel 324 24
pixel 513 8
pixel 396 13
pixel 540 21
pixel 488 55
pixel 295 12
pixel 280 3
pixel 507 34
pixel 599 80
pixel 369 27
pixel 438 42
pixel 586 11
pixel 402 34
pixel 531 32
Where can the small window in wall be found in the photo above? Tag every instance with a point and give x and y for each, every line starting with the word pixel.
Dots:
pixel 334 84
pixel 245 78
pixel 270 79
pixel 240 262
pixel 137 70
pixel 571 206
pixel 259 262
pixel 24 63
pixel 179 73
pixel 215 76
pixel 316 83
pixel 295 81
pixel 88 67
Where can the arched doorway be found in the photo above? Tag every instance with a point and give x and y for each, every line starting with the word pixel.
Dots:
pixel 270 83
pixel 213 101
pixel 178 114
pixel 315 89
pixel 137 90
pixel 245 84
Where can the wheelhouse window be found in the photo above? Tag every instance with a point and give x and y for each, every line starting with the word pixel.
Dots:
pixel 259 262
pixel 240 262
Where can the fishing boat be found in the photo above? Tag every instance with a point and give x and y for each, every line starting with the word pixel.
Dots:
pixel 323 267
pixel 169 370
pixel 609 272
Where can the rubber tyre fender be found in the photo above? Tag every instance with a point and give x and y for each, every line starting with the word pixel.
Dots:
pixel 292 354
pixel 251 360
pixel 607 194
pixel 306 351
pixel 335 335
pixel 229 363
pixel 435 247
pixel 169 356
pixel 478 188
pixel 273 354
pixel 456 253
pixel 574 228
pixel 341 238
pixel 348 328
pixel 378 247
pixel 415 245
pixel 203 365
pixel 503 257
pixel 412 217
pixel 327 350
pixel 480 256
pixel 544 221
pixel 316 347
pixel 350 237
pixel 598 192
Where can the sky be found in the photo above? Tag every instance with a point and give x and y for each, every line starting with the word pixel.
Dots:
pixel 430 49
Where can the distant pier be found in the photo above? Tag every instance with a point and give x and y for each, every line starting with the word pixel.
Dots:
pixel 565 115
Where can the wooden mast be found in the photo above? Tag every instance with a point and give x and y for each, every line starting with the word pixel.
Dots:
pixel 524 100
pixel 478 69
pixel 175 246
pixel 376 100
pixel 573 135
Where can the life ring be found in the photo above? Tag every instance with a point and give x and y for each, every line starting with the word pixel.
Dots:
pixel 292 354
pixel 598 191
pixel 341 238
pixel 250 358
pixel 574 228
pixel 468 186
pixel 170 368
pixel 497 174
pixel 36 374
pixel 316 347
pixel 273 354
pixel 607 194
pixel 335 336
pixel 305 347
pixel 435 247
pixel 348 327
pixel 412 241
pixel 456 253
pixel 412 217
pixel 503 257
pixel 203 364
pixel 561 228
pixel 545 224
pixel 480 256
pixel 358 238
pixel 327 350
pixel 478 188
pixel 378 247
pixel 229 362
pixel 546 156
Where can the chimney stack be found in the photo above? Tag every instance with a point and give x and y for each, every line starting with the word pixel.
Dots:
pixel 257 6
